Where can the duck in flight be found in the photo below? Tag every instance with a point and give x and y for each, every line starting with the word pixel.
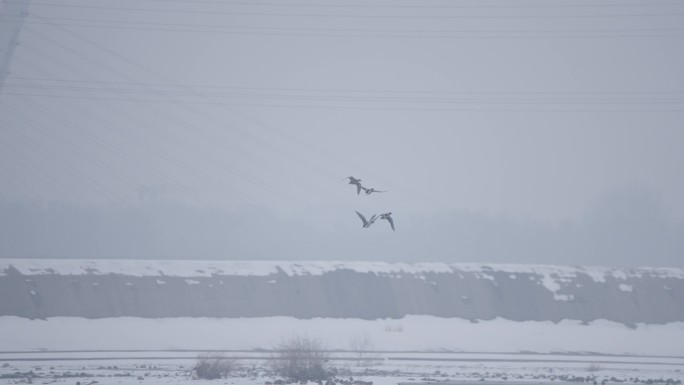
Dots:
pixel 367 223
pixel 357 182
pixel 371 190
pixel 388 217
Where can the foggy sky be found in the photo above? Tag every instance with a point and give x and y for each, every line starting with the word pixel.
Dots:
pixel 561 144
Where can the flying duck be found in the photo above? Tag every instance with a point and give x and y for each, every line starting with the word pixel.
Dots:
pixel 367 223
pixel 357 182
pixel 389 219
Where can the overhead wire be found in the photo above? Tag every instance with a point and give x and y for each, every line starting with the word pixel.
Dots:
pixel 91 183
pixel 251 137
pixel 219 123
pixel 441 17
pixel 118 175
pixel 199 130
pixel 185 86
pixel 413 16
pixel 546 5
pixel 161 175
pixel 166 178
pixel 19 177
pixel 137 140
pixel 199 172
pixel 197 151
pixel 472 34
pixel 395 5
pixel 445 17
pixel 470 99
pixel 93 139
pixel 211 27
pixel 107 168
pixel 176 141
pixel 366 108
pixel 244 116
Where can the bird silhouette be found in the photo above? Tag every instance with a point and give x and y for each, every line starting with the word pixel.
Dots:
pixel 388 217
pixel 367 223
pixel 357 182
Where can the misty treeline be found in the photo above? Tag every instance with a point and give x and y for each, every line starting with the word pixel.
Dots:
pixel 619 229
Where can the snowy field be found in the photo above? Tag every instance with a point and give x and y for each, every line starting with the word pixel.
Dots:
pixel 416 349
pixel 380 368
pixel 411 333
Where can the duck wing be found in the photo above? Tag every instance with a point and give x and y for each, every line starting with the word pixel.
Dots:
pixel 389 219
pixel 372 190
pixel 363 219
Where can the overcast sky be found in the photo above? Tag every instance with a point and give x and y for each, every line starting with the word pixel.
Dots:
pixel 550 116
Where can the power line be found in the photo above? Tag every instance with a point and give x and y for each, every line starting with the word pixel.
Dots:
pixel 93 160
pixel 330 90
pixel 212 179
pixel 95 185
pixel 215 160
pixel 215 181
pixel 395 5
pixel 286 135
pixel 475 34
pixel 137 141
pixel 460 6
pixel 109 169
pixel 199 130
pixel 433 17
pixel 354 107
pixel 242 132
pixel 18 177
pixel 221 27
pixel 461 98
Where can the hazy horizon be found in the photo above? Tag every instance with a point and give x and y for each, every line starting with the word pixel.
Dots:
pixel 515 134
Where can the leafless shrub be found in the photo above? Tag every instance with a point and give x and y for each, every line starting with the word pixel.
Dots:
pixel 213 366
pixel 362 345
pixel 301 358
pixel 594 368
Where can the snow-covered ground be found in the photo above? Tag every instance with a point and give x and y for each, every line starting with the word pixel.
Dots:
pixel 385 369
pixel 412 333
pixel 413 349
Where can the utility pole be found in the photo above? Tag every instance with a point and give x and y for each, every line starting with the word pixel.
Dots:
pixel 12 15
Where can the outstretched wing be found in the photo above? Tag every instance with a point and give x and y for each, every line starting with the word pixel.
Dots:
pixel 390 221
pixel 372 190
pixel 358 188
pixel 363 219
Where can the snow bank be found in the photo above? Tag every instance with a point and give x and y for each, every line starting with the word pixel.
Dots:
pixel 551 277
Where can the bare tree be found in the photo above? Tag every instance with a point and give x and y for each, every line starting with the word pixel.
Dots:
pixel 301 358
pixel 362 345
